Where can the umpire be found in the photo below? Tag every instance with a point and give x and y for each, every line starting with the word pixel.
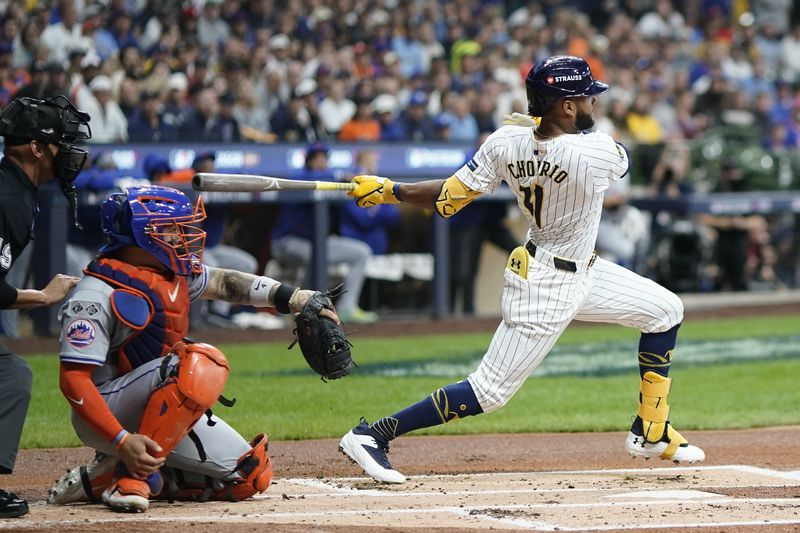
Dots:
pixel 38 146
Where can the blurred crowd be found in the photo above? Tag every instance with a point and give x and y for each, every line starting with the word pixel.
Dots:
pixel 354 70
pixel 684 75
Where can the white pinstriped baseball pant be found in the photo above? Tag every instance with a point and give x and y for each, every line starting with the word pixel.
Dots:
pixel 536 312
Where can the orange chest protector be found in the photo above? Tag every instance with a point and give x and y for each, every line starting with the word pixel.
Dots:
pixel 155 306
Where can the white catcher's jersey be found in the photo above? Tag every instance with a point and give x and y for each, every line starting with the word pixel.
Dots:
pixel 559 183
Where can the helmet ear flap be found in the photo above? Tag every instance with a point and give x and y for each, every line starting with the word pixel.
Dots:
pixel 119 207
pixel 122 221
pixel 115 217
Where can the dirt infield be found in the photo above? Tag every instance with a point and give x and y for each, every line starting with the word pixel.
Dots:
pixel 750 481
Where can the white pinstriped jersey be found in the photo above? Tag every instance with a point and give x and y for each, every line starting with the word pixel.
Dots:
pixel 559 183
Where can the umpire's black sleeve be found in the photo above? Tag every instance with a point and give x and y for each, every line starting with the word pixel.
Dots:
pixel 8 294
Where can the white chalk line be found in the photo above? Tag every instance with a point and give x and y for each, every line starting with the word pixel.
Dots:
pixel 349 492
pixel 655 470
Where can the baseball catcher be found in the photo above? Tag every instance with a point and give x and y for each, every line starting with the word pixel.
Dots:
pixel 140 391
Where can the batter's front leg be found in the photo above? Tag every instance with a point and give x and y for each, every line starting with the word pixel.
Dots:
pixel 514 353
pixel 620 296
pixel 535 313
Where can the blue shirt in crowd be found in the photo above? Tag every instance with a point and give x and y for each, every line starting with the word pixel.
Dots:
pixel 298 219
pixel 369 225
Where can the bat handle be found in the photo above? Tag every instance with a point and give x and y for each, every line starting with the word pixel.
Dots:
pixel 334 186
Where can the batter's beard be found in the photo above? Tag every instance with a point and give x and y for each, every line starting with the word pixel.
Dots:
pixel 584 121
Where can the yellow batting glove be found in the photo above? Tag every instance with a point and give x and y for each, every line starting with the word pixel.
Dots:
pixel 373 190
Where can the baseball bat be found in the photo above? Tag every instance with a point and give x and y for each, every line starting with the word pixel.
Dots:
pixel 213 181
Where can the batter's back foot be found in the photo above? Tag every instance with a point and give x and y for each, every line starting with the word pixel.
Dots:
pixel 672 446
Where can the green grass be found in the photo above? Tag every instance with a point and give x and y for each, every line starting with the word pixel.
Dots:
pixel 299 406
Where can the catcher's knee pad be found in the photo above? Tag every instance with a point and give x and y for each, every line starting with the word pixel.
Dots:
pixel 174 408
pixel 653 405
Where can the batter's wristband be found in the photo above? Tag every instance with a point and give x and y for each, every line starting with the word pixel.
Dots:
pixel 282 297
pixel 396 192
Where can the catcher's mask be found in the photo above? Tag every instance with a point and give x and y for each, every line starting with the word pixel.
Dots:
pixel 51 121
pixel 559 77
pixel 160 220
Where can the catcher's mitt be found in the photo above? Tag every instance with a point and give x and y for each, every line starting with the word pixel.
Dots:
pixel 323 342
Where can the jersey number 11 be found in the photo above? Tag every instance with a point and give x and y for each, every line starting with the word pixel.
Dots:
pixel 533 202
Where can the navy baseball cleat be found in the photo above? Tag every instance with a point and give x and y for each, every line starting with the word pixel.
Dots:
pixel 365 447
pixel 11 505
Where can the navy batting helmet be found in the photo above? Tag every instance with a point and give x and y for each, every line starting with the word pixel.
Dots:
pixel 559 77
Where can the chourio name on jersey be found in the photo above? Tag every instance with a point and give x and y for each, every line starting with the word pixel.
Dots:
pixel 524 169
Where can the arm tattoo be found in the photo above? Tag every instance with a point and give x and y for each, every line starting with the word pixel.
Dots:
pixel 229 285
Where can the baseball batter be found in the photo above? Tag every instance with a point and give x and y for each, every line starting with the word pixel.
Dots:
pixel 559 173
pixel 140 391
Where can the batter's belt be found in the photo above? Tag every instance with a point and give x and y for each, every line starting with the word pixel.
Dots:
pixel 558 262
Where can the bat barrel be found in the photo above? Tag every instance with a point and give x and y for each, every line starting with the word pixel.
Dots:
pixel 209 181
pixel 212 181
pixel 197 182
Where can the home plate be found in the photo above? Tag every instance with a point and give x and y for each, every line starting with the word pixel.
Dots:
pixel 666 495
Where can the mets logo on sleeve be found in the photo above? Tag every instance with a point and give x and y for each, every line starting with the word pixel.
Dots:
pixel 80 333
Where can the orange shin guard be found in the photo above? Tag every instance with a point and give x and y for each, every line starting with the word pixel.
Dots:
pixel 173 409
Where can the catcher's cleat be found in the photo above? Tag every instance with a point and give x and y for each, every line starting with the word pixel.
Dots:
pixel 84 483
pixel 672 446
pixel 129 495
pixel 368 449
